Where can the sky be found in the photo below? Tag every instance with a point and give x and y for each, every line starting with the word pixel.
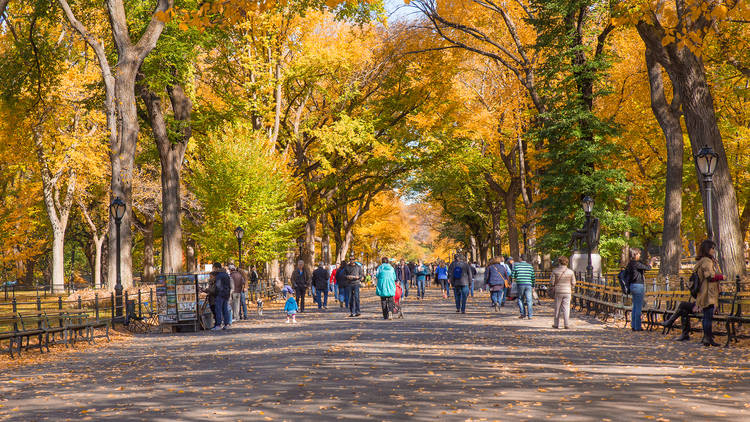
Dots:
pixel 396 10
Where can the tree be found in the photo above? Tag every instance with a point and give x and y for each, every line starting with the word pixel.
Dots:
pixel 120 105
pixel 674 33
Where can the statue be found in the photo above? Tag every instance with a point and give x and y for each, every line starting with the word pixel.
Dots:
pixel 579 235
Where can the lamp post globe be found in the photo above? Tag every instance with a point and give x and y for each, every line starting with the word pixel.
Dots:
pixel 117 209
pixel 587 203
pixel 706 160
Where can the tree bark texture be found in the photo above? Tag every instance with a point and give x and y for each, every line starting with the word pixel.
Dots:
pixel 668 117
pixel 120 108
pixel 687 73
pixel 171 155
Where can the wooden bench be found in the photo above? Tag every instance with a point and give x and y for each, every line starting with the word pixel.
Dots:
pixel 46 326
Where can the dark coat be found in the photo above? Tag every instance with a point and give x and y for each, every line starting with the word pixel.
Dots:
pixel 223 284
pixel 320 278
pixel 341 278
pixel 403 273
pixel 300 279
pixel 353 274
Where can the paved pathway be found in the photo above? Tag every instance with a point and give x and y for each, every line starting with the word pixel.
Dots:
pixel 433 365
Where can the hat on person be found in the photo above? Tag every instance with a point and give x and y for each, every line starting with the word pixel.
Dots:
pixel 287 289
pixel 232 267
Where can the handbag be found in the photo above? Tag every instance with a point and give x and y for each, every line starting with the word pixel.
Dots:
pixel 513 290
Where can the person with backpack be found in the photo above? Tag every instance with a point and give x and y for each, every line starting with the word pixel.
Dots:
pixel 636 286
pixel 460 277
pixel 523 275
pixel 343 284
pixel 223 289
pixel 354 274
pixel 562 282
pixel 496 278
pixel 386 287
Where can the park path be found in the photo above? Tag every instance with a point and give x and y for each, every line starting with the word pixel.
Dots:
pixel 432 365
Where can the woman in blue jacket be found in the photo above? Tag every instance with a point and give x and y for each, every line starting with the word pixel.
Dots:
pixel 386 286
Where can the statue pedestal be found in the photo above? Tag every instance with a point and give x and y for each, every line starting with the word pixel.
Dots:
pixel 579 261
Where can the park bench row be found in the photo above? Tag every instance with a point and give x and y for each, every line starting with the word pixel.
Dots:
pixel 58 327
pixel 608 301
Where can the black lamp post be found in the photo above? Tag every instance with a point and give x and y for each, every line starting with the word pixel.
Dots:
pixel 117 209
pixel 706 160
pixel 239 233
pixel 524 231
pixel 588 206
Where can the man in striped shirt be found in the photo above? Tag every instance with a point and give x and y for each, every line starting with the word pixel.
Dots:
pixel 523 276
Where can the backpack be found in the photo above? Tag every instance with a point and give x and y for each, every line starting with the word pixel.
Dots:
pixel 695 284
pixel 457 272
pixel 622 277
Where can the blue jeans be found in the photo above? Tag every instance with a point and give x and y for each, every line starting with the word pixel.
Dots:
pixel 497 297
pixel 420 288
pixel 638 291
pixel 471 287
pixel 223 316
pixel 462 294
pixel 525 297
pixel 506 292
pixel 344 295
pixel 353 298
pixel 405 287
pixel 243 304
pixel 445 286
pixel 325 297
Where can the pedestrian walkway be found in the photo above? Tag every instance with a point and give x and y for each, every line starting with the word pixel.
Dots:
pixel 433 365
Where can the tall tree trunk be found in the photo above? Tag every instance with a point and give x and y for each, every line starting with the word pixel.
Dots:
pixel 510 209
pixel 171 155
pixel 58 264
pixel 745 219
pixel 308 246
pixel 192 265
pixel 687 74
pixel 29 275
pixel 668 116
pixel 325 241
pixel 148 275
pixel 122 119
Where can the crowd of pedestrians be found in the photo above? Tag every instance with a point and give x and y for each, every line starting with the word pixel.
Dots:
pixel 503 278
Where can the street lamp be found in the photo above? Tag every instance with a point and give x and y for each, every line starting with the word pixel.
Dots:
pixel 239 233
pixel 588 206
pixel 524 231
pixel 706 160
pixel 117 209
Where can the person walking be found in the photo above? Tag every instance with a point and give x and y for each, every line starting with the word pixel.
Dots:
pixel 253 284
pixel 290 306
pixel 239 307
pixel 496 278
pixel 508 264
pixel 354 275
pixel 523 275
pixel 223 288
pixel 636 287
pixel 421 274
pixel 460 277
pixel 386 287
pixel 474 273
pixel 343 284
pixel 404 276
pixel 562 282
pixel 709 273
pixel 320 280
pixel 441 275
pixel 300 282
